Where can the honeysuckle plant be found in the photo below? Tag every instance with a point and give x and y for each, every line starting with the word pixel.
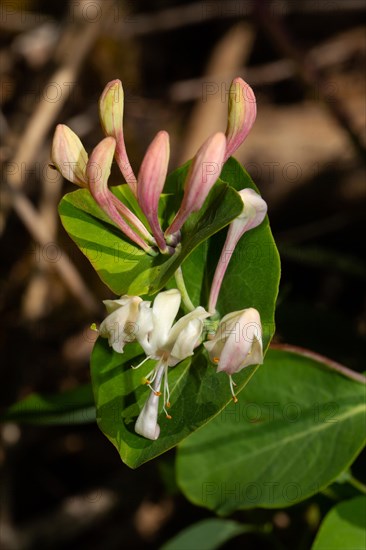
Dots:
pixel 169 246
pixel 193 273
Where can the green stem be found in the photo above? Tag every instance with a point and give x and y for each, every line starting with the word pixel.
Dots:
pixel 182 288
pixel 357 484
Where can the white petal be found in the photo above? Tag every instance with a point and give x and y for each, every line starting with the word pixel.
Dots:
pixel 186 342
pixel 112 305
pixel 147 421
pixel 120 325
pixel 144 326
pixel 185 334
pixel 165 309
pixel 237 342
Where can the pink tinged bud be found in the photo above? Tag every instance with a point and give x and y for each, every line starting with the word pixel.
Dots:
pixel 204 171
pixel 253 213
pixel 238 342
pixel 150 183
pixel 98 171
pixel 111 105
pixel 241 115
pixel 69 155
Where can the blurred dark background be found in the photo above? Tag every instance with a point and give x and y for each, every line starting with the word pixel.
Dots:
pixel 64 486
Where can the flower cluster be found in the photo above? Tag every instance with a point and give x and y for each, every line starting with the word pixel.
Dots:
pixel 237 341
pixel 71 159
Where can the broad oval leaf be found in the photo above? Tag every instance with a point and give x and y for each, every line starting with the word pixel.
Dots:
pixel 344 527
pixel 74 406
pixel 297 425
pixel 198 393
pixel 208 534
pixel 122 265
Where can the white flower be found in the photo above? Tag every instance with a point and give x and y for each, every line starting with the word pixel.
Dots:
pixel 120 326
pixel 168 344
pixel 237 343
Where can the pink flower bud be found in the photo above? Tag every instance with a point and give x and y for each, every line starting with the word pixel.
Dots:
pixel 69 155
pixel 204 171
pixel 150 183
pixel 241 116
pixel 111 105
pixel 98 171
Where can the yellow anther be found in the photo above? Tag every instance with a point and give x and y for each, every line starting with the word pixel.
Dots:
pixel 235 399
pixel 168 404
pixel 93 326
pixel 168 417
pixel 216 360
pixel 157 393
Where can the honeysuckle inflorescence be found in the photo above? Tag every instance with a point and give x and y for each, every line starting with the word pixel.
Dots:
pixel 236 342
pixel 71 159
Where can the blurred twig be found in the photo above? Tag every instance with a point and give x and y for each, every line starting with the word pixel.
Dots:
pixel 75 44
pixel 328 54
pixel 209 113
pixel 197 13
pixel 40 232
pixel 305 68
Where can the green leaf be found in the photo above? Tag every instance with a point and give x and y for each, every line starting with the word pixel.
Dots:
pixel 123 266
pixel 197 394
pixel 344 527
pixel 74 406
pixel 207 534
pixel 296 426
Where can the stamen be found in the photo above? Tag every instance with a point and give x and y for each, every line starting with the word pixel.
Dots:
pixel 93 327
pixel 142 362
pixel 216 360
pixel 232 384
pixel 166 392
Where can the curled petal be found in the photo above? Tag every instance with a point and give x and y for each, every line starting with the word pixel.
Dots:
pixel 98 171
pixel 111 105
pixel 165 309
pixel 69 155
pixel 185 335
pixel 241 115
pixel 150 183
pixel 120 325
pixel 204 171
pixel 238 342
pixel 147 421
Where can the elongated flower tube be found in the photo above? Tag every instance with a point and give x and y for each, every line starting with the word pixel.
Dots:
pixel 98 170
pixel 254 211
pixel 111 105
pixel 120 325
pixel 204 171
pixel 69 156
pixel 150 183
pixel 242 113
pixel 237 343
pixel 147 421
pixel 168 344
